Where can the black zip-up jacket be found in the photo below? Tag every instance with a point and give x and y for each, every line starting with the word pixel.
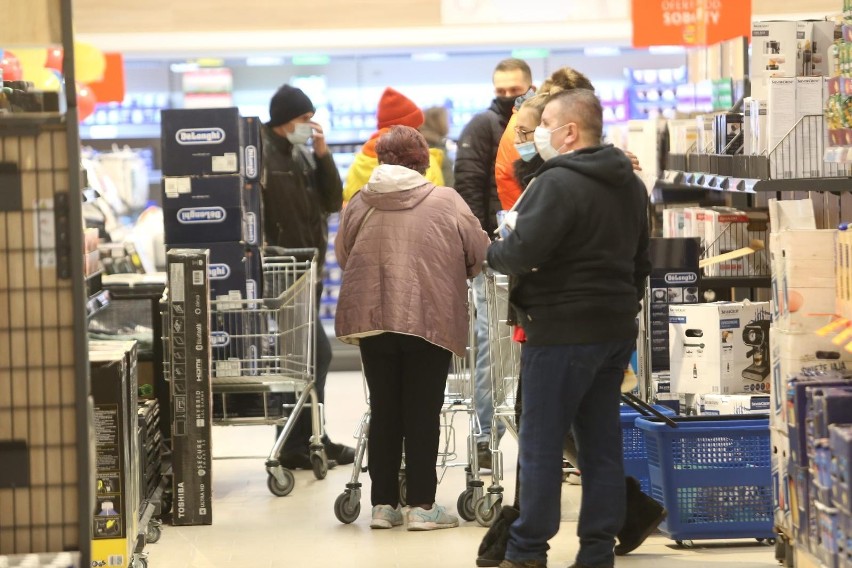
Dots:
pixel 474 167
pixel 300 190
pixel 579 250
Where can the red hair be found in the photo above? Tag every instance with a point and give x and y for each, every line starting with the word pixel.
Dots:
pixel 403 146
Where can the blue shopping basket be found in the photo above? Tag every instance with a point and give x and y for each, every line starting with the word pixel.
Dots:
pixel 633 444
pixel 713 475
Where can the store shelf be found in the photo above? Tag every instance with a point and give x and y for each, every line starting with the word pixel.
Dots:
pixel 675 180
pixel 832 184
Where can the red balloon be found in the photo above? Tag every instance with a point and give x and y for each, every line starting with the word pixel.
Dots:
pixel 11 67
pixel 86 101
pixel 54 58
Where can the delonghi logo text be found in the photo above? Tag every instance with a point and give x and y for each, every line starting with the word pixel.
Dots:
pixel 219 271
pixel 219 338
pixel 194 136
pixel 251 162
pixel 251 223
pixel 191 215
pixel 681 278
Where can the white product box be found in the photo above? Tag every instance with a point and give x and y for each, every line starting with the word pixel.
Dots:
pixel 754 127
pixel 720 348
pixel 814 38
pixel 795 214
pixel 683 133
pixel 673 223
pixel 779 461
pixel 793 353
pixel 781 119
pixel 713 404
pixel 773 54
pixel 804 279
pixel 811 93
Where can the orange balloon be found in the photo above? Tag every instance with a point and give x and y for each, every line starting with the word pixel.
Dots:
pixel 795 301
pixel 86 101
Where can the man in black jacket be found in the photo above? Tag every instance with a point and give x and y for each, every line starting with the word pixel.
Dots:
pixel 474 179
pixel 301 187
pixel 579 250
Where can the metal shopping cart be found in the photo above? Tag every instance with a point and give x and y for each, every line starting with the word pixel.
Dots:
pixel 263 349
pixel 458 399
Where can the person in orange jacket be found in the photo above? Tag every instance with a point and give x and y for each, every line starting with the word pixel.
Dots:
pixel 395 109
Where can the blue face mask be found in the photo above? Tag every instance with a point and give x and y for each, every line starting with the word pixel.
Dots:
pixel 526 150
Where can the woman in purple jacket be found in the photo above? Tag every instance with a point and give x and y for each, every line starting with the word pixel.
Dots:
pixel 407 248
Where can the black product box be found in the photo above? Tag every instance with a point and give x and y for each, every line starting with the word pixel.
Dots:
pixel 239 340
pixel 235 273
pixel 209 209
pixel 210 141
pixel 189 358
pixel 253 207
pixel 114 519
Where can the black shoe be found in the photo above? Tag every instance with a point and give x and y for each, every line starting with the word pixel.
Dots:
pixel 299 460
pixel 343 455
pixel 483 455
pixel 523 564
pixel 492 550
pixel 643 516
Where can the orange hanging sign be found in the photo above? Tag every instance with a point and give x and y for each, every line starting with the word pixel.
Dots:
pixel 689 22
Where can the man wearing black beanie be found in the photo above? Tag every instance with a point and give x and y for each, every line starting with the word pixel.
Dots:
pixel 301 187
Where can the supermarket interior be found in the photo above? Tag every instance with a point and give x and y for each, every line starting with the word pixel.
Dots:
pixel 167 329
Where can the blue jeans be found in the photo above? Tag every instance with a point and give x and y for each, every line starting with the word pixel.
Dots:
pixel 483 401
pixel 565 385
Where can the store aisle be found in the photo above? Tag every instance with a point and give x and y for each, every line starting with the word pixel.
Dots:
pixel 254 528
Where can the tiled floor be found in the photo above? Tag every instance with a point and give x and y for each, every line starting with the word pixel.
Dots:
pixel 253 528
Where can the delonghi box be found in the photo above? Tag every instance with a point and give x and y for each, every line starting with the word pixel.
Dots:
pixel 189 357
pixel 235 272
pixel 720 348
pixel 200 142
pixel 210 209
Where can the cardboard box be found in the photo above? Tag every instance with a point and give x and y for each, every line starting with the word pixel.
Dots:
pixel 720 348
pixel 235 273
pixel 800 415
pixel 773 54
pixel 189 353
pixel 202 142
pixel 715 404
pixel 811 93
pixel 781 119
pixel 804 283
pixel 781 481
pixel 210 209
pixel 814 39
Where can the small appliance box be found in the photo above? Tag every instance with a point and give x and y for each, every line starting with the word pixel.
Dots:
pixel 235 273
pixel 781 118
pixel 114 526
pixel 781 484
pixel 211 209
pixel 210 141
pixel 800 391
pixel 814 38
pixel 773 54
pixel 189 350
pixel 811 93
pixel 715 404
pixel 720 348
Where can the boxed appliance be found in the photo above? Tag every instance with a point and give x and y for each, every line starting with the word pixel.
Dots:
pixel 811 93
pixel 238 341
pixel 210 209
pixel 805 279
pixel 800 395
pixel 773 54
pixel 781 119
pixel 754 127
pixel 189 353
pixel 235 273
pixel 814 39
pixel 210 141
pixel 720 347
pixel 713 404
pixel 781 485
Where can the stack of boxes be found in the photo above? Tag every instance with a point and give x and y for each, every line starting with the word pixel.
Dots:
pixel 212 200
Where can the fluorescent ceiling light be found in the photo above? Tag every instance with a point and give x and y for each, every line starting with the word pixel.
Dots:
pixel 264 61
pixel 530 53
pixel 666 50
pixel 429 56
pixel 183 67
pixel 601 51
pixel 311 59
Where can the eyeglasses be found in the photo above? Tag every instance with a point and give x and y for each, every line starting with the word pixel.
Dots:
pixel 523 133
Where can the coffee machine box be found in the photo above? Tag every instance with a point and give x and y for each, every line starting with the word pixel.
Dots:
pixel 716 404
pixel 210 209
pixel 814 39
pixel 210 141
pixel 773 54
pixel 720 348
pixel 189 357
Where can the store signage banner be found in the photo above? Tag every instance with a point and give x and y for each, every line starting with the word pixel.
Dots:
pixel 689 22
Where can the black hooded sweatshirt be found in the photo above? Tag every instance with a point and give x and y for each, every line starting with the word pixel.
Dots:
pixel 579 250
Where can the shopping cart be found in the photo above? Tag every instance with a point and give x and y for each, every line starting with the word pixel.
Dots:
pixel 458 399
pixel 263 349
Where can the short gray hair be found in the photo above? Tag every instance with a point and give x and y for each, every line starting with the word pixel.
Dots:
pixel 583 107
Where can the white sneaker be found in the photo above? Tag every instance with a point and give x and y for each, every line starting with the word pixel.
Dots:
pixel 385 517
pixel 420 519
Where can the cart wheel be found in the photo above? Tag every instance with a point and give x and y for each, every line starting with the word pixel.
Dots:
pixel 486 514
pixel 319 466
pixel 771 541
pixel 279 489
pixel 403 489
pixel 153 533
pixel 140 562
pixel 684 543
pixel 166 506
pixel 466 505
pixel 344 511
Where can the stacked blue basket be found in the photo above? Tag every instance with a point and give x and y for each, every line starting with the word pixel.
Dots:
pixel 633 443
pixel 713 475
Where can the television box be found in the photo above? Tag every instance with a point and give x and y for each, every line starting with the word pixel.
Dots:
pixel 210 141
pixel 720 348
pixel 211 209
pixel 189 358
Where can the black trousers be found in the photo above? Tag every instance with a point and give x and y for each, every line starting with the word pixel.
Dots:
pixel 407 376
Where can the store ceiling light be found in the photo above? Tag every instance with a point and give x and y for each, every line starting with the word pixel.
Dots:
pixel 530 53
pixel 666 50
pixel 311 59
pixel 429 56
pixel 264 61
pixel 183 67
pixel 601 51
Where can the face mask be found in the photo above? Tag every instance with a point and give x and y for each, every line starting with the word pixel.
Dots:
pixel 302 133
pixel 506 105
pixel 541 137
pixel 520 100
pixel 526 150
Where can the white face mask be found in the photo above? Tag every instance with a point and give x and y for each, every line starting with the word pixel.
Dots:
pixel 301 134
pixel 542 136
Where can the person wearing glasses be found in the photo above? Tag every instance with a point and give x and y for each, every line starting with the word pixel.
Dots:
pixel 579 252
